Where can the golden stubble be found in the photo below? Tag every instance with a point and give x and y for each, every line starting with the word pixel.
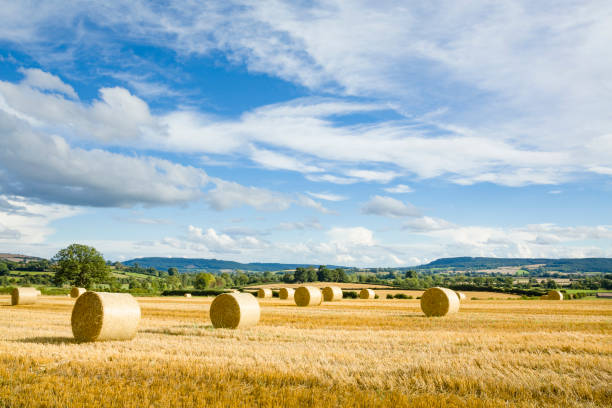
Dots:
pixel 349 353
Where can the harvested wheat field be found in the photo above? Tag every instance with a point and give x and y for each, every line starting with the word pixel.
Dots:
pixel 367 353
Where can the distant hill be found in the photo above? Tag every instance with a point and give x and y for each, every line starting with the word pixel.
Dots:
pixel 198 264
pixel 18 258
pixel 562 265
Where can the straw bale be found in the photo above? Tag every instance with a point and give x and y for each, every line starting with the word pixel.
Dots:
pixel 461 296
pixel 187 295
pixel 234 310
pixel 98 316
pixel 366 294
pixel 38 293
pixel 308 296
pixel 76 292
pixel 286 293
pixel 264 293
pixel 555 295
pixel 439 302
pixel 24 296
pixel 332 293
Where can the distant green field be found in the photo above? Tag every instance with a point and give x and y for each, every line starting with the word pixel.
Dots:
pixel 586 290
pixel 17 273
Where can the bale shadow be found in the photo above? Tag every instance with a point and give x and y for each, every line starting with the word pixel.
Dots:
pixel 179 330
pixel 48 340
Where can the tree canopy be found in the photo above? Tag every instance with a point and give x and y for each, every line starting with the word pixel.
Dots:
pixel 79 265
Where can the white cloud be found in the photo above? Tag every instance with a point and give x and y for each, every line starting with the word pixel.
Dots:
pixel 399 189
pixel 37 78
pixel 327 196
pixel 228 194
pixel 25 224
pixel 297 225
pixel 425 223
pixel 277 161
pixel 48 168
pixel 119 118
pixel 330 178
pixel 372 175
pixel 351 236
pixel 389 207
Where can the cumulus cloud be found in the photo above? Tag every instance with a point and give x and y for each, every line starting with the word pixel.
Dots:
pixel 389 207
pixel 116 116
pixel 35 165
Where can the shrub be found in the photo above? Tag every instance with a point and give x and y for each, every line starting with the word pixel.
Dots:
pixel 209 292
pixel 376 297
pixel 389 296
pixel 400 296
pixel 350 294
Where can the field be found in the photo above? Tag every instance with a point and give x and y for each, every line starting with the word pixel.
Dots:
pixel 493 353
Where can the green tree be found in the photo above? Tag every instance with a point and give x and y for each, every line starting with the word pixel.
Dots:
pixel 204 280
pixel 172 271
pixel 79 265
pixel 300 274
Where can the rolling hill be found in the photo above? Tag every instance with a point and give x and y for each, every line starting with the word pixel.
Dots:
pixel 563 265
pixel 199 264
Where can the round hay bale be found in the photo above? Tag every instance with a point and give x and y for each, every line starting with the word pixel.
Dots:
pixel 439 302
pixel 555 295
pixel 234 310
pixel 24 296
pixel 461 296
pixel 332 293
pixel 286 293
pixel 187 295
pixel 264 293
pixel 308 296
pixel 38 293
pixel 98 316
pixel 76 292
pixel 366 294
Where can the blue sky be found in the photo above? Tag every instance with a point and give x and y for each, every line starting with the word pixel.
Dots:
pixel 341 132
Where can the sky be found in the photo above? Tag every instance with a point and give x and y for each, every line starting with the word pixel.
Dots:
pixel 355 133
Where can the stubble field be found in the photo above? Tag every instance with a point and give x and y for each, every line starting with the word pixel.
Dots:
pixel 349 353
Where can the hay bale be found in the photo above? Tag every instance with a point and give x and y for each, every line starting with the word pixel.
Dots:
pixel 76 292
pixel 366 294
pixel 38 293
pixel 286 293
pixel 24 296
pixel 461 296
pixel 308 296
pixel 439 302
pixel 98 316
pixel 332 293
pixel 234 310
pixel 555 295
pixel 264 293
pixel 187 295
